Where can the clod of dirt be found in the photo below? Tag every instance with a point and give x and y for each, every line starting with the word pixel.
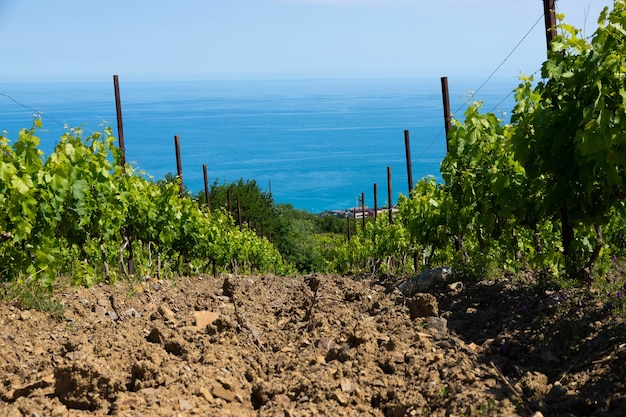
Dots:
pixel 423 305
pixel 87 385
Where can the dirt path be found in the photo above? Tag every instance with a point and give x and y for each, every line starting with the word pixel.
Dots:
pixel 315 345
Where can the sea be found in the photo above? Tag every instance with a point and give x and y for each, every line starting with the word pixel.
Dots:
pixel 315 144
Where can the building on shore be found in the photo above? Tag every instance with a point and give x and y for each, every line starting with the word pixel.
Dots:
pixel 357 212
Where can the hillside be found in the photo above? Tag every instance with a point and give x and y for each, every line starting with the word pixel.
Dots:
pixel 313 345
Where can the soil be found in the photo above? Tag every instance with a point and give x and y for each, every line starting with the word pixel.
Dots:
pixel 312 345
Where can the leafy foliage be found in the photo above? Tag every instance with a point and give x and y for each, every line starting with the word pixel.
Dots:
pixel 558 168
pixel 77 212
pixel 570 133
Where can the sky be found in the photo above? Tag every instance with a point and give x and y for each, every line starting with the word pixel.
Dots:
pixel 91 40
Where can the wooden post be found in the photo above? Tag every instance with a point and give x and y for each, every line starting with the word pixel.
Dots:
pixel 409 167
pixel 363 211
pixel 446 108
pixel 179 166
pixel 120 138
pixel 549 15
pixel 230 207
pixel 206 187
pixel 349 234
pixel 239 215
pixel 375 202
pixel 389 196
pixel 120 125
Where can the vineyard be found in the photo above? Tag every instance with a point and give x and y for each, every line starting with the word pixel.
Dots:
pixel 541 192
pixel 78 213
pixel 538 197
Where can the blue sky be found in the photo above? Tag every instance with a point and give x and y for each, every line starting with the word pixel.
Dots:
pixel 80 40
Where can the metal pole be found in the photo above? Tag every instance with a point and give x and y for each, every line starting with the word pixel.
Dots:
pixel 120 124
pixel 389 195
pixel 239 215
pixel 375 201
pixel 206 187
pixel 363 211
pixel 349 234
pixel 409 168
pixel 446 108
pixel 179 165
pixel 549 14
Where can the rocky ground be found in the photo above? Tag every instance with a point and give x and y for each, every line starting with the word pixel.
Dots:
pixel 313 345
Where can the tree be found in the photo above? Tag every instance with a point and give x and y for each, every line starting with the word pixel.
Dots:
pixel 256 205
pixel 294 237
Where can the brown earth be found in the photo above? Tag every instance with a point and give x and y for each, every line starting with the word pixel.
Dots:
pixel 314 345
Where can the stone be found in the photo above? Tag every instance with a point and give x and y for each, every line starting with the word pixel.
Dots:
pixel 423 305
pixel 184 405
pixel 223 393
pixel 556 392
pixel 131 312
pixel 75 355
pixel 342 398
pixel 99 310
pixel 166 313
pixel 204 318
pixel 25 315
pixel 347 386
pixel 206 394
pixel 25 390
pixel 150 391
pixel 425 281
pixel 128 401
pixel 438 324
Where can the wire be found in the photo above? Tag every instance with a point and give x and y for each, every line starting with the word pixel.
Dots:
pixel 503 62
pixel 36 113
pixel 466 102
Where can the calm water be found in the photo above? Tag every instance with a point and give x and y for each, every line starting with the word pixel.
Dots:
pixel 317 143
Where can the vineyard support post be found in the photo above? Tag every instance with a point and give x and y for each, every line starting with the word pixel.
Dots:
pixel 120 124
pixel 230 206
pixel 389 196
pixel 363 211
pixel 239 215
pixel 179 166
pixel 549 15
pixel 349 234
pixel 120 138
pixel 409 167
pixel 446 108
pixel 375 202
pixel 207 197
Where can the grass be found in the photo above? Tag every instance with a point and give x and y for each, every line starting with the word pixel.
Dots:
pixel 28 294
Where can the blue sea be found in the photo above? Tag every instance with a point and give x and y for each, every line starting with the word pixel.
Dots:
pixel 316 144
